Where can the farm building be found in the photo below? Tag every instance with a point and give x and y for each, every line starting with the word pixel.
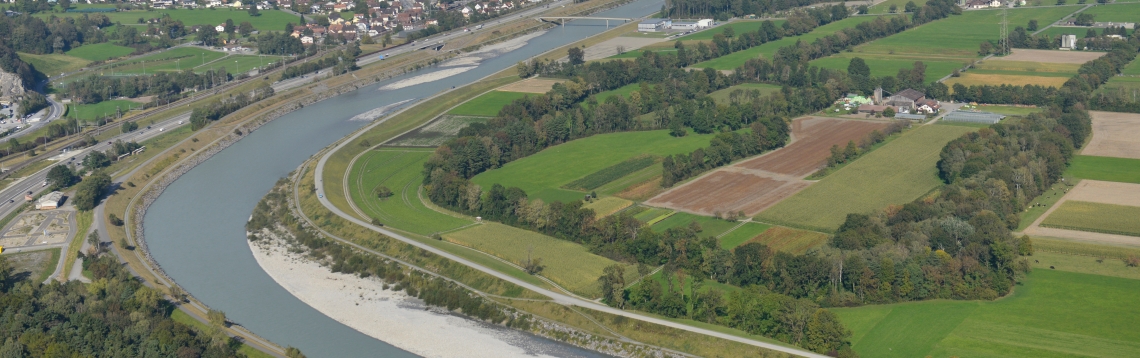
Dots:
pixel 913 117
pixel 654 25
pixel 973 117
pixel 49 201
pixel 871 108
pixel 907 98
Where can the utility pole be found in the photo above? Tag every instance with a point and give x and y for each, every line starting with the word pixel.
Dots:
pixel 1004 40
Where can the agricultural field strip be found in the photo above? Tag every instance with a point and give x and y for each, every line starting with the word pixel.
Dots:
pixel 1096 217
pixel 1036 229
pixel 1114 135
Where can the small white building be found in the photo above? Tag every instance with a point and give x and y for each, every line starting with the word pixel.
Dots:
pixel 704 23
pixel 50 201
pixel 654 25
pixel 1069 42
pixel 220 28
pixel 684 25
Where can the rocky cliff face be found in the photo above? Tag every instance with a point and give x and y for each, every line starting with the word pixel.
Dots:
pixel 11 86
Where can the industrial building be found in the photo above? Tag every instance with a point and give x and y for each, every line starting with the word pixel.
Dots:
pixel 50 201
pixel 654 25
pixel 973 117
pixel 1068 42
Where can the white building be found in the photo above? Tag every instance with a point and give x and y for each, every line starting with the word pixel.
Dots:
pixel 1069 42
pixel 654 25
pixel 49 201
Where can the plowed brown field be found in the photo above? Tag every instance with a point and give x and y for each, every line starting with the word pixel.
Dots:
pixel 756 184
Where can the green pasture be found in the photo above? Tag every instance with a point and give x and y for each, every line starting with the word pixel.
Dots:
pixel 959 36
pixel 742 234
pixel 710 226
pixel 735 59
pixel 100 52
pixel 794 241
pixel 1128 86
pixel 885 6
pixel 569 265
pixel 172 60
pixel 89 112
pixel 1114 13
pixel 623 91
pixel 238 63
pixel 1106 266
pixel 54 64
pixel 1039 205
pixel 543 174
pixel 739 26
pixel 638 53
pixel 1124 170
pixel 605 206
pixel 487 105
pixel 652 213
pixel 631 179
pixel 1132 69
pixel 1010 110
pixel 1063 30
pixel 400 170
pixel 899 172
pixel 722 96
pixel 889 65
pixel 1053 314
pixel 1095 217
pixel 268 20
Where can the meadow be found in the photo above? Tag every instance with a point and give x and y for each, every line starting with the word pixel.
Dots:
pixel 739 26
pixel 740 235
pixel 887 65
pixel 54 64
pixel 981 79
pixel 722 96
pixel 648 214
pixel 794 241
pixel 1010 110
pixel 1041 204
pixel 400 171
pixel 623 91
pixel 958 37
pixel 1052 314
pixel 487 105
pixel 638 177
pixel 543 174
pixel 899 172
pixel 639 53
pixel 100 52
pixel 1095 217
pixel 268 20
pixel 1124 170
pixel 238 63
pixel 1115 12
pixel 710 226
pixel 568 264
pixel 89 112
pixel 885 6
pixel 606 206
pixel 182 58
pixel 735 59
pixel 611 173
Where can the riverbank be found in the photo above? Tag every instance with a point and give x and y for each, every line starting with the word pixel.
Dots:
pixel 366 305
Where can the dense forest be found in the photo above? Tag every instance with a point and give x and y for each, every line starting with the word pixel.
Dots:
pixel 114 316
pixel 723 10
pixel 26 33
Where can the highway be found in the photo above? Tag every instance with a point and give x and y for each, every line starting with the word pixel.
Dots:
pixel 12 196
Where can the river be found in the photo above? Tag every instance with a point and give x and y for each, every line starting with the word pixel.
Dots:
pixel 196 228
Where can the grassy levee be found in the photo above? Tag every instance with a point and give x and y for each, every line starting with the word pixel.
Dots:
pixel 897 173
pixel 1124 170
pixel 83 220
pixel 184 318
pixel 487 104
pixel 1052 314
pixel 1095 217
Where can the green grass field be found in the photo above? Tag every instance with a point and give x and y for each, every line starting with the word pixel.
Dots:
pixel 269 20
pixel 742 234
pixel 568 264
pixel 638 53
pixel 1107 266
pixel 488 105
pixel 54 64
pixel 89 112
pixel 739 26
pixel 1114 13
pixel 634 178
pixel 623 91
pixel 1010 110
pixel 710 226
pixel 543 174
pixel 100 52
pixel 889 65
pixel 885 7
pixel 1096 217
pixel 790 240
pixel 1043 202
pixel 651 214
pixel 238 63
pixel 959 36
pixel 1124 170
pixel 897 173
pixel 1054 314
pixel 400 171
pixel 722 96
pixel 736 59
pixel 1059 30
pixel 172 60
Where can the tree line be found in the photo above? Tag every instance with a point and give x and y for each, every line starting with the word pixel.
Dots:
pixel 341 62
pixel 1077 89
pixel 168 86
pixel 30 34
pixel 202 116
pixel 724 10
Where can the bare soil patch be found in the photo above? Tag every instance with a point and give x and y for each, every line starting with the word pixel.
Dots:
pixel 756 184
pixel 1114 135
pixel 1050 56
pixel 533 85
pixel 813 138
pixel 1106 192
